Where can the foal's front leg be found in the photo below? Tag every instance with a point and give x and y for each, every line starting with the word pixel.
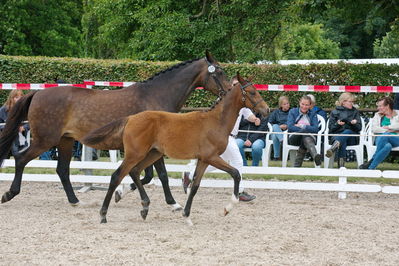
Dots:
pixel 235 174
pixel 199 172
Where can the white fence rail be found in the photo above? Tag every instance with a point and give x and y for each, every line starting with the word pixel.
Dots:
pixel 342 186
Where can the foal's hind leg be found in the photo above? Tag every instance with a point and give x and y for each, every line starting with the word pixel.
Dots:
pixel 20 162
pixel 148 176
pixel 64 160
pixel 150 158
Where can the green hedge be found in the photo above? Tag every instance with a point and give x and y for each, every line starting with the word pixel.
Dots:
pixel 16 69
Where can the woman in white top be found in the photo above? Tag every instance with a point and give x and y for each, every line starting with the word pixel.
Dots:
pixel 385 122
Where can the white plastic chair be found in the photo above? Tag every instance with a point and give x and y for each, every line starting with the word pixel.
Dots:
pixel 329 162
pixel 268 142
pixel 369 142
pixel 292 149
pixel 268 147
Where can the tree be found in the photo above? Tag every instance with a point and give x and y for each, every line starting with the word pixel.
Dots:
pixel 308 42
pixel 353 24
pixel 388 47
pixel 233 30
pixel 40 27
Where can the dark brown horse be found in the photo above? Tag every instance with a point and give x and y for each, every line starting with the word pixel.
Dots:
pixel 149 135
pixel 60 115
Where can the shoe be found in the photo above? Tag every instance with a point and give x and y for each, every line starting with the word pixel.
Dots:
pixel 244 196
pixel 334 147
pixel 365 165
pixel 186 181
pixel 275 159
pixel 317 159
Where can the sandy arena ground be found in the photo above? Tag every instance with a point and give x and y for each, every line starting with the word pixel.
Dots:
pixel 39 227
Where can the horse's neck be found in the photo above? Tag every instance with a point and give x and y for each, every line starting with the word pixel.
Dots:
pixel 228 109
pixel 172 88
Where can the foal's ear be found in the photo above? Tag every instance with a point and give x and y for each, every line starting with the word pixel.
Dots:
pixel 234 81
pixel 209 57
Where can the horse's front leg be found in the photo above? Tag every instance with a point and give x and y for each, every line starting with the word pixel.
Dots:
pixel 199 172
pixel 235 174
pixel 64 160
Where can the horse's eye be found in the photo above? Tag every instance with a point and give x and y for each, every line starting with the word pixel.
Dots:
pixel 252 93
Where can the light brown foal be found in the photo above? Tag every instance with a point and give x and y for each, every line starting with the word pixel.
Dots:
pixel 149 135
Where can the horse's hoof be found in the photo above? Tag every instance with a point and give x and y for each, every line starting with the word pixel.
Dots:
pixel 6 197
pixel 144 213
pixel 118 196
pixel 176 207
pixel 104 220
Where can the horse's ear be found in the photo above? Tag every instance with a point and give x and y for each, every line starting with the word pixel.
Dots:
pixel 239 78
pixel 209 57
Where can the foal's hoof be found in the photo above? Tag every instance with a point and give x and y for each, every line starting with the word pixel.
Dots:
pixel 75 204
pixel 103 220
pixel 7 197
pixel 176 207
pixel 144 213
pixel 226 211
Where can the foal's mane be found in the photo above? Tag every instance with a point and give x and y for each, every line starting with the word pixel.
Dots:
pixel 168 70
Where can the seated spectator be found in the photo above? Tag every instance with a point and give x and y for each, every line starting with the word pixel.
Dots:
pixel 278 119
pixel 344 119
pixel 303 120
pixel 317 109
pixel 385 122
pixel 253 140
pixel 20 142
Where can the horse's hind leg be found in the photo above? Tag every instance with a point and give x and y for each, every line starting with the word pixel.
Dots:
pixel 148 176
pixel 64 160
pixel 163 176
pixel 199 172
pixel 20 162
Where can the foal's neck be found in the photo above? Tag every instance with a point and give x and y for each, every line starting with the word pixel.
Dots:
pixel 228 109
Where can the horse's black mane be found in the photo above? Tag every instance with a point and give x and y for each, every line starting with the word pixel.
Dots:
pixel 170 69
pixel 218 100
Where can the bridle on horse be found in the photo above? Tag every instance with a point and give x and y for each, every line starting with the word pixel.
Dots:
pixel 212 73
pixel 244 94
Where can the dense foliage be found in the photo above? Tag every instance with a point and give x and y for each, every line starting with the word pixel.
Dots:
pixel 73 70
pixel 166 30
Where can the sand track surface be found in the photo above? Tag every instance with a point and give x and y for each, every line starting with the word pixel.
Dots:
pixel 39 227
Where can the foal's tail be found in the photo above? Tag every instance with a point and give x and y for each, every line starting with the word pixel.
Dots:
pixel 17 114
pixel 110 134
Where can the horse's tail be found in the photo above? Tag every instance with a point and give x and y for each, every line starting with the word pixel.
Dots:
pixel 110 133
pixel 17 114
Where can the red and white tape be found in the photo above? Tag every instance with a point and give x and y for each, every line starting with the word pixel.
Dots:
pixel 36 86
